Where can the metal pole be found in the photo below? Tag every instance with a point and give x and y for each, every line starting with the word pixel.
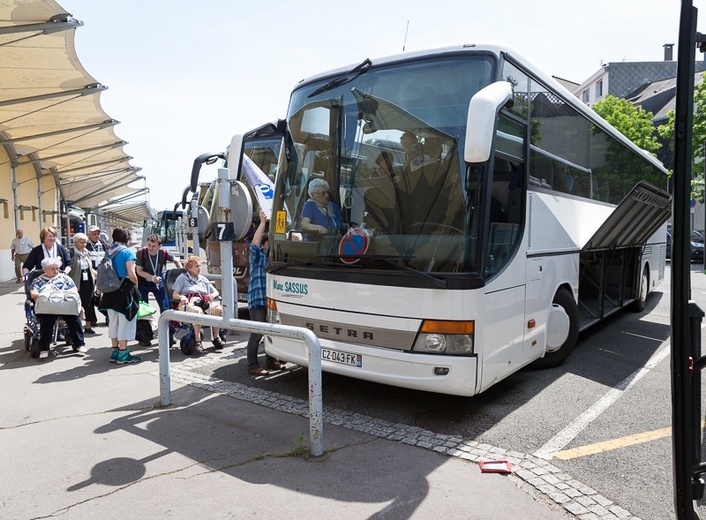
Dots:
pixel 195 227
pixel 15 197
pixel 68 220
pixel 229 288
pixel 316 425
pixel 681 384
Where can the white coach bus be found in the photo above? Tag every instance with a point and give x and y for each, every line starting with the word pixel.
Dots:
pixel 486 217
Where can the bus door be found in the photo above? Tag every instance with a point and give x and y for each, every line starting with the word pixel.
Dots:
pixel 504 301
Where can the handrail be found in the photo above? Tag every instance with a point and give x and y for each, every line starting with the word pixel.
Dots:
pixel 316 432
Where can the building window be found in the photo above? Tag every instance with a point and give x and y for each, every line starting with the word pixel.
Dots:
pixel 599 89
pixel 585 96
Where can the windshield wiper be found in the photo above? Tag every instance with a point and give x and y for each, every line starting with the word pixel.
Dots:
pixel 388 260
pixel 272 268
pixel 440 282
pixel 344 78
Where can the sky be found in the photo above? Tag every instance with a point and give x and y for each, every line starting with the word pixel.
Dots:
pixel 184 77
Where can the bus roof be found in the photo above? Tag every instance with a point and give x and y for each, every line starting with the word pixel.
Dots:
pixel 517 59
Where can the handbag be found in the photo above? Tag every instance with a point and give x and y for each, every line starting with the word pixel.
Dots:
pixel 198 301
pixel 52 300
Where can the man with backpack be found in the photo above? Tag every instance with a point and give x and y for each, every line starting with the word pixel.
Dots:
pixel 151 261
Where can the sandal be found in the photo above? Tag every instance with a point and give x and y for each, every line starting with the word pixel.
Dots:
pixel 257 371
pixel 199 348
pixel 218 343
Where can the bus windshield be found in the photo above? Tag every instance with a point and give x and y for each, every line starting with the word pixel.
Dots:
pixel 163 225
pixel 372 172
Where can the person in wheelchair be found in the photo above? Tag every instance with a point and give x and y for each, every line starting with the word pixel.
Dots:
pixel 53 276
pixel 196 294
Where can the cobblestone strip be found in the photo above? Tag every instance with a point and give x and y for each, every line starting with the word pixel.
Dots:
pixel 583 502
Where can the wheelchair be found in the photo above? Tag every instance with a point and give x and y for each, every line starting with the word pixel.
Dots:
pixel 187 342
pixel 31 327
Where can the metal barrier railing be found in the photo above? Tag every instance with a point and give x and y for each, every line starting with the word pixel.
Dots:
pixel 316 432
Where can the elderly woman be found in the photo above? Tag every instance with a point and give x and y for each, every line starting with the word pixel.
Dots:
pixel 84 276
pixel 197 295
pixel 320 216
pixel 53 276
pixel 49 248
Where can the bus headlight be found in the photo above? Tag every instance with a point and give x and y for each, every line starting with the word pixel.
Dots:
pixel 435 342
pixel 445 337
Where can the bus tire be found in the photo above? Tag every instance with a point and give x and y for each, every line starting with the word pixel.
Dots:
pixel 639 304
pixel 564 299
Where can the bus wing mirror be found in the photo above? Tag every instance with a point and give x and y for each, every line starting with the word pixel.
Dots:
pixel 482 118
pixel 237 143
pixel 204 158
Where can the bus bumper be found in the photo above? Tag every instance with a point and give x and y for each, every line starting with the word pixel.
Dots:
pixel 391 367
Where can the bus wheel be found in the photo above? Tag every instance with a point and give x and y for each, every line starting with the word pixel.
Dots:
pixel 562 330
pixel 639 304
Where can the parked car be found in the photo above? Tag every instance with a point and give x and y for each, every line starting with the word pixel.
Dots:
pixel 696 244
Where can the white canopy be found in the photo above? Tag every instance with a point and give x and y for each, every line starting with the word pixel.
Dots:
pixel 50 111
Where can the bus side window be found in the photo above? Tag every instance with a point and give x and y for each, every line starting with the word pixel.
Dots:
pixel 502 176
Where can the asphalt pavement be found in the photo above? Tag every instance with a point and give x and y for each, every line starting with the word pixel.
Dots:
pixel 81 438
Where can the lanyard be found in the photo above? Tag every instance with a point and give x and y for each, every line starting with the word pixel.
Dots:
pixel 154 266
pixel 51 254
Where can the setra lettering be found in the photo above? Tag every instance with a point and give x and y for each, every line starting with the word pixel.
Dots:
pixel 332 331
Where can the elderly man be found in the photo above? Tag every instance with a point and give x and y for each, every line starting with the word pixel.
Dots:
pixel 96 245
pixel 21 247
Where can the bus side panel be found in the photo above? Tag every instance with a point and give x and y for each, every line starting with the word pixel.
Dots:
pixel 544 277
pixel 558 224
pixel 501 337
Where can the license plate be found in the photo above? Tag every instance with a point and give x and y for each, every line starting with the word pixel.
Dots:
pixel 343 358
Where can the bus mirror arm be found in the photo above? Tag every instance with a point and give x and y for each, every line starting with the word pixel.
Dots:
pixel 204 158
pixel 184 202
pixel 482 119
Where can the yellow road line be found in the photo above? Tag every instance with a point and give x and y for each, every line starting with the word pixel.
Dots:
pixel 615 444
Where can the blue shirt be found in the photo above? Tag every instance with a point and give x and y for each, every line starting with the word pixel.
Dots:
pixel 119 261
pixel 257 286
pixel 332 219
pixel 187 284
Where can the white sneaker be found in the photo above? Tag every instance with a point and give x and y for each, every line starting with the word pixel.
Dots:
pixel 81 349
pixel 44 354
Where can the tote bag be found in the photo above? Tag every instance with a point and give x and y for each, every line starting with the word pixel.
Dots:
pixel 52 300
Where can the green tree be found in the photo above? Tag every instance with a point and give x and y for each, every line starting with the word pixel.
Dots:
pixel 698 140
pixel 633 122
